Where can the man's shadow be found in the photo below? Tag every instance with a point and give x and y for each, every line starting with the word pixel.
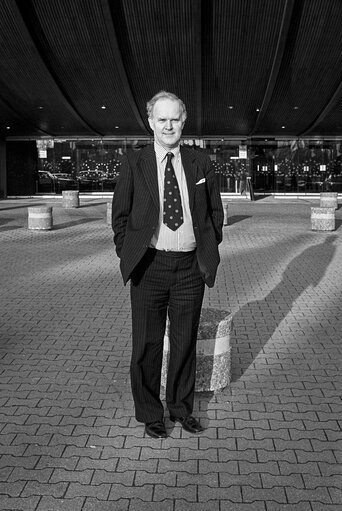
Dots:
pixel 255 323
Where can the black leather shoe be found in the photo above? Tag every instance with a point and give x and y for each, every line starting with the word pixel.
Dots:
pixel 189 423
pixel 156 429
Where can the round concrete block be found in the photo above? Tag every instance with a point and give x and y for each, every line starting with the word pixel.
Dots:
pixel 109 213
pixel 323 219
pixel 329 200
pixel 40 218
pixel 225 214
pixel 213 359
pixel 70 199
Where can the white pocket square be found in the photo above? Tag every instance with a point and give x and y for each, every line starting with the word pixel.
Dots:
pixel 201 181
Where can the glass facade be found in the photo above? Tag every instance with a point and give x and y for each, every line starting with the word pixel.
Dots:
pixel 85 165
pixel 297 166
pixel 273 166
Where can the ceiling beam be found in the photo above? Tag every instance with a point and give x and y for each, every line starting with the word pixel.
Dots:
pixel 119 63
pixel 278 57
pixel 31 22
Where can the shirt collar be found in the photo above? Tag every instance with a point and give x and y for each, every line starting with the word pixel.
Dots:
pixel 161 151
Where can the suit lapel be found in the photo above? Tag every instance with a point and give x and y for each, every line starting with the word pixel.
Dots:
pixel 149 169
pixel 190 174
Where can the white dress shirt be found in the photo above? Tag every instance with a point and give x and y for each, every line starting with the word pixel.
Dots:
pixel 183 239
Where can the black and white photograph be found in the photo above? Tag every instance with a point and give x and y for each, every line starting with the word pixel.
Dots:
pixel 171 255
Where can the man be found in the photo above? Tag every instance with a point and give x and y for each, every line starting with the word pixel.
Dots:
pixel 167 222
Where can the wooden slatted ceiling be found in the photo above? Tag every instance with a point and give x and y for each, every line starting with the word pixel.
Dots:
pixel 25 83
pixel 311 70
pixel 84 62
pixel 157 39
pixel 72 57
pixel 237 63
pixel 331 122
pixel 12 123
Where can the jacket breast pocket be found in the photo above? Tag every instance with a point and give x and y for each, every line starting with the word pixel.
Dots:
pixel 201 194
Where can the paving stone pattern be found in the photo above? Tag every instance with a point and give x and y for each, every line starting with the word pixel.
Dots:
pixel 68 437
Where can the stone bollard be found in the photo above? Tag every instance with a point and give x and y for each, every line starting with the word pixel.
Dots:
pixel 329 200
pixel 71 199
pixel 323 219
pixel 40 218
pixel 109 213
pixel 212 351
pixel 225 213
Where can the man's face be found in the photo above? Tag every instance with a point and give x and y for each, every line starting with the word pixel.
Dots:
pixel 167 123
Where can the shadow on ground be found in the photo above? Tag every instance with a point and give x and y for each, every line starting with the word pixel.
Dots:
pixel 5 228
pixel 237 218
pixel 22 206
pixel 76 222
pixel 255 323
pixel 93 204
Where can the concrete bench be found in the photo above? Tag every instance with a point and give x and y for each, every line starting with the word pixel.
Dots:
pixel 213 360
pixel 225 213
pixel 329 200
pixel 40 218
pixel 109 213
pixel 71 199
pixel 323 219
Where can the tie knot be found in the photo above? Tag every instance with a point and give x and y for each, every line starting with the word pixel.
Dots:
pixel 169 156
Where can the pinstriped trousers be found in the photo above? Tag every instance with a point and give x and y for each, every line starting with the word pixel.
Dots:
pixel 165 283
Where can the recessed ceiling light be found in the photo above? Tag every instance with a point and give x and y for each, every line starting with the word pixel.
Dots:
pixel 257 109
pixel 40 108
pixel 283 127
pixel 230 107
pixel 295 107
pixel 8 127
pixel 116 127
pixel 103 107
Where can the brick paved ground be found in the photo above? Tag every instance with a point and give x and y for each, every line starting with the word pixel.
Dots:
pixel 68 439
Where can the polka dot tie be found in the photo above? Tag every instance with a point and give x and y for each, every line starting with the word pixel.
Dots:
pixel 173 211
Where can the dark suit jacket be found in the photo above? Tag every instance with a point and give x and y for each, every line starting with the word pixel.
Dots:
pixel 135 212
